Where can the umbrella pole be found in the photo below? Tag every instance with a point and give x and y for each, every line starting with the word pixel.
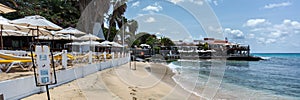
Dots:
pixel 1 37
pixel 32 37
pixel 71 43
pixel 37 31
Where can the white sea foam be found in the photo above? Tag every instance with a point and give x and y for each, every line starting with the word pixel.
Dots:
pixel 266 58
pixel 227 90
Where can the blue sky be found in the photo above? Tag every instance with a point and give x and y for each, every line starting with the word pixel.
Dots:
pixel 266 25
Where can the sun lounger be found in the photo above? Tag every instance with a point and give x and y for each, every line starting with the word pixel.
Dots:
pixel 10 63
pixel 80 59
pixel 13 57
pixel 10 60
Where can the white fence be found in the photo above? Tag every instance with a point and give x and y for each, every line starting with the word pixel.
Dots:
pixel 25 86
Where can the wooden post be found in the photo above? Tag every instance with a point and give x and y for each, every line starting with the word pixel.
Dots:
pixel 1 96
pixel 248 50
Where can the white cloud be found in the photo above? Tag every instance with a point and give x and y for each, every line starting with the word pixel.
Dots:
pixel 136 4
pixel 276 5
pixel 198 2
pixel 139 15
pixel 156 7
pixel 175 1
pixel 255 22
pixel 251 36
pixel 271 32
pixel 150 20
pixel 268 41
pixel 215 2
pixel 235 34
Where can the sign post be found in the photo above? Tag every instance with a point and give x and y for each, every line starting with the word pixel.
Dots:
pixel 44 74
pixel 64 60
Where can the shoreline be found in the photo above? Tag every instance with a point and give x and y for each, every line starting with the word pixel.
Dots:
pixel 109 85
pixel 163 86
pixel 229 90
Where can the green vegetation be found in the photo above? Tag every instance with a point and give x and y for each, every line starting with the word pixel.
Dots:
pixel 62 13
pixel 152 40
pixel 66 13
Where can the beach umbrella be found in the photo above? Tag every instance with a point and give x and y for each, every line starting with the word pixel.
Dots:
pixel 106 43
pixel 69 37
pixel 13 33
pixel 5 9
pixel 71 30
pixel 36 22
pixel 47 37
pixel 5 25
pixel 89 37
pixel 74 43
pixel 145 45
pixel 115 44
pixel 94 43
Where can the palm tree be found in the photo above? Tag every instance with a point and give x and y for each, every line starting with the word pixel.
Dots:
pixel 133 26
pixel 117 17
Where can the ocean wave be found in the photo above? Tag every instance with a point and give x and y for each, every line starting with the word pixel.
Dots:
pixel 186 89
pixel 266 58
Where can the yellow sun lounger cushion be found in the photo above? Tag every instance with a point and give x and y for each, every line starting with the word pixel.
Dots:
pixel 13 57
pixel 10 61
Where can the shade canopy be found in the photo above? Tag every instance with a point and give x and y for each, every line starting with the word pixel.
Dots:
pixel 89 37
pixel 57 37
pixel 5 9
pixel 46 38
pixel 13 33
pixel 145 45
pixel 74 43
pixel 93 43
pixel 36 21
pixel 106 43
pixel 4 23
pixel 71 30
pixel 114 44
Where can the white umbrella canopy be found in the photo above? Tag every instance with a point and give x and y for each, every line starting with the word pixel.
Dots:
pixel 103 45
pixel 106 43
pixel 33 31
pixel 74 43
pixel 65 37
pixel 45 37
pixel 115 44
pixel 69 37
pixel 36 21
pixel 89 37
pixel 93 43
pixel 145 45
pixel 5 9
pixel 71 30
pixel 13 33
pixel 5 25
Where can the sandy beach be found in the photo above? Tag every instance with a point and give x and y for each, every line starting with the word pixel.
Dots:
pixel 148 82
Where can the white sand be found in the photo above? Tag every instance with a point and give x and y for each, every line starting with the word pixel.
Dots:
pixel 148 82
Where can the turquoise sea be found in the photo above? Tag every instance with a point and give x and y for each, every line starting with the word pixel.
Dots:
pixel 276 77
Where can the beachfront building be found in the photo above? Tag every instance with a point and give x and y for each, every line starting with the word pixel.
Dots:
pixel 210 47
